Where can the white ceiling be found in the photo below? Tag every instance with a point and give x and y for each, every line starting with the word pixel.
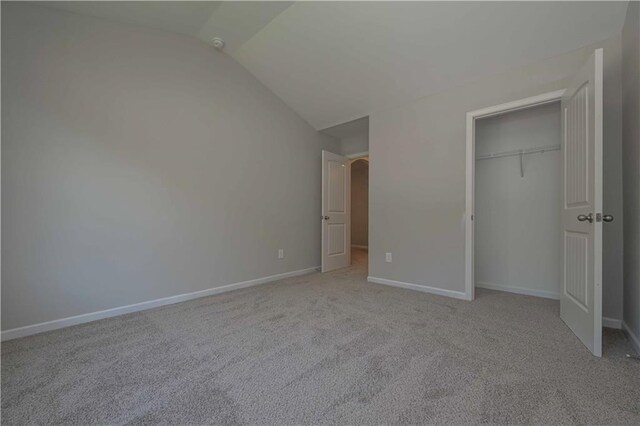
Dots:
pixel 336 61
pixel 236 22
pixel 180 17
pixel 333 62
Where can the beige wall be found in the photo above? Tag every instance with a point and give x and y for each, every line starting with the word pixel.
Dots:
pixel 417 174
pixel 140 164
pixel 360 203
pixel 631 155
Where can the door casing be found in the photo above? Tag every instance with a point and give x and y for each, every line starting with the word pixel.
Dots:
pixel 472 116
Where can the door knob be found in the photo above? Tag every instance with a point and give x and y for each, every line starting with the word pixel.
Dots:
pixel 607 218
pixel 586 218
pixel 326 218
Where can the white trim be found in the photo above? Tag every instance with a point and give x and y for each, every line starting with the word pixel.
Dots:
pixel 542 99
pixel 142 306
pixel 360 247
pixel 612 323
pixel 519 104
pixel 519 290
pixel 469 208
pixel 597 199
pixel 633 339
pixel 358 156
pixel 418 287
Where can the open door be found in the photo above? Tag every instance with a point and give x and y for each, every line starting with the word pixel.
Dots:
pixel 336 211
pixel 581 293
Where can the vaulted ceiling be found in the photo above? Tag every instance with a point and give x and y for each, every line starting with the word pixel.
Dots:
pixel 333 62
pixel 234 21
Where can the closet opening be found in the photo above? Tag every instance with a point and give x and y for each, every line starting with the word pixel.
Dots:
pixel 524 245
pixel 518 198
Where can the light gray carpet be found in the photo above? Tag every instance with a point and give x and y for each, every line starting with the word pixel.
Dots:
pixel 318 349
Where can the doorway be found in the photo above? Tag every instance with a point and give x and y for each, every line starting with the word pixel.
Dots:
pixel 345 197
pixel 359 211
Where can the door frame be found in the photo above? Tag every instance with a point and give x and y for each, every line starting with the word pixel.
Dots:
pixel 472 116
pixel 358 155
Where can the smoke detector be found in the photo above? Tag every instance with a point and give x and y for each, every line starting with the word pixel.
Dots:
pixel 218 43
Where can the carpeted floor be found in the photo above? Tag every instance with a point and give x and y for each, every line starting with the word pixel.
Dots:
pixel 322 349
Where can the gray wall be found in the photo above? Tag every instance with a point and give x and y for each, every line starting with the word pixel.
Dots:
pixel 355 144
pixel 517 219
pixel 417 173
pixel 360 203
pixel 631 151
pixel 140 164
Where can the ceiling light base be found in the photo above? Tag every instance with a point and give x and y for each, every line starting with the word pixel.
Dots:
pixel 218 43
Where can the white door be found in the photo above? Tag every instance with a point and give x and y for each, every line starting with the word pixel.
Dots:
pixel 581 295
pixel 336 211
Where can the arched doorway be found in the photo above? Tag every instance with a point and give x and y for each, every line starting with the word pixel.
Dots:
pixel 359 210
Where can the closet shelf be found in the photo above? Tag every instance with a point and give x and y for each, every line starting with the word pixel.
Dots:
pixel 515 152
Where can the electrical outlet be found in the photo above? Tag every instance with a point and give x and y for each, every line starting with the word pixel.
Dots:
pixel 387 257
pixel 280 253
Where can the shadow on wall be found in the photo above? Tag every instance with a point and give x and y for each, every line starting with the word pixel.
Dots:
pixel 360 203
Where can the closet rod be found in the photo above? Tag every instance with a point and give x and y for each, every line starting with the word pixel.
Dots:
pixel 518 152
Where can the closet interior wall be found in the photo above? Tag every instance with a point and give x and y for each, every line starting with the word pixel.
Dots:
pixel 517 201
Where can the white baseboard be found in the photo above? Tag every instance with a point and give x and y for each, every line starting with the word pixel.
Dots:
pixel 519 290
pixel 635 340
pixel 419 287
pixel 142 306
pixel 611 323
pixel 360 247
